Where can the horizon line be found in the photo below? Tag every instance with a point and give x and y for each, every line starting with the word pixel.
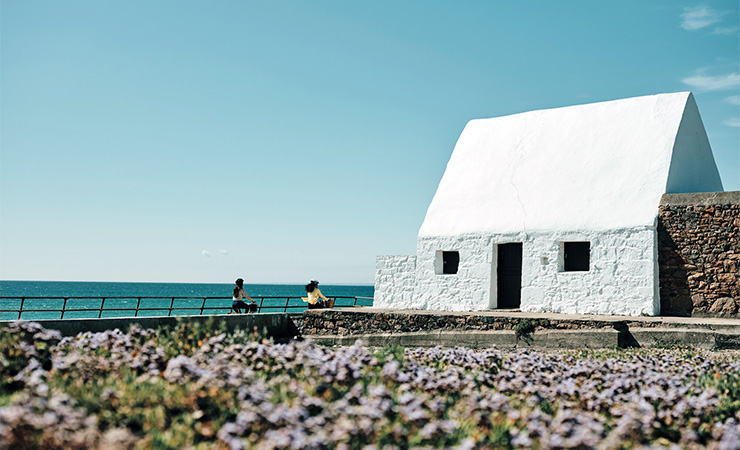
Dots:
pixel 187 282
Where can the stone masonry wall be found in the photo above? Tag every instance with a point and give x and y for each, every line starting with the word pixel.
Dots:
pixel 348 322
pixel 699 254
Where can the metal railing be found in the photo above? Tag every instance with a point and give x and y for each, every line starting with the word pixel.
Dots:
pixel 339 302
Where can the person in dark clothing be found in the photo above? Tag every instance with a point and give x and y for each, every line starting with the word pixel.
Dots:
pixel 237 303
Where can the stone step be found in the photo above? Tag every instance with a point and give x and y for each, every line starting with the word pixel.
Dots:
pixel 693 337
pixel 547 339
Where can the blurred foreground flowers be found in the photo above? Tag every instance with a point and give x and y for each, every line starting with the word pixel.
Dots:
pixel 197 386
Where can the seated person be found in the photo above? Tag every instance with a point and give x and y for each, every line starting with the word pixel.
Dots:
pixel 238 304
pixel 313 297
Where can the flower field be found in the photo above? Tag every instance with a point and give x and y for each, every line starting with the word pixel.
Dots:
pixel 200 387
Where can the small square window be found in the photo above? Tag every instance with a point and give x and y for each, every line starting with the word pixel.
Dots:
pixel 450 262
pixel 576 256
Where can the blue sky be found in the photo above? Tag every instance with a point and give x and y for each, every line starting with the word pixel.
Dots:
pixel 279 141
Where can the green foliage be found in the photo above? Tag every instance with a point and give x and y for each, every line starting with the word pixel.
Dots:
pixel 21 343
pixel 173 415
pixel 668 345
pixel 12 360
pixel 728 387
pixel 546 407
pixel 185 337
pixel 602 354
pixel 392 351
pixel 499 435
pixel 525 327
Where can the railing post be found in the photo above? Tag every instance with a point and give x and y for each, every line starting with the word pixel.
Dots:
pixel 262 299
pixel 20 310
pixel 202 307
pixel 172 303
pixel 64 307
pixel 287 300
pixel 355 303
pixel 102 305
pixel 138 302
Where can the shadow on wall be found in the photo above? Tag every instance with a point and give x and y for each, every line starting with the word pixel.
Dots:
pixel 699 254
pixel 675 296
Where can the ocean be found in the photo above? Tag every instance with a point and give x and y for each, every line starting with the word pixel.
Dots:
pixel 132 291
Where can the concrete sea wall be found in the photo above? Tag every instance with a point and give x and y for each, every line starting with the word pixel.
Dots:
pixel 504 329
pixel 508 329
pixel 278 325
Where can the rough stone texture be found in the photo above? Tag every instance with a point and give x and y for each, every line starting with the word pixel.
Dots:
pixel 394 279
pixel 699 254
pixel 347 322
pixel 466 290
pixel 430 328
pixel 617 282
pixel 504 339
pixel 621 279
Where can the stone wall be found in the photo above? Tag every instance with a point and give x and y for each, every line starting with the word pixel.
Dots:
pixel 345 323
pixel 349 322
pixel 699 254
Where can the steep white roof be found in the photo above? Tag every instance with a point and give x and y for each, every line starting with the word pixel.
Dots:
pixel 596 166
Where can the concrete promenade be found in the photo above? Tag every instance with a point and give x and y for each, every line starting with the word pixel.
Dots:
pixel 412 328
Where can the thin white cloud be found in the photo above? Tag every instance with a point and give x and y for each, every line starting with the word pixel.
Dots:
pixel 224 252
pixel 205 253
pixel 713 83
pixel 733 100
pixel 734 122
pixel 725 30
pixel 698 17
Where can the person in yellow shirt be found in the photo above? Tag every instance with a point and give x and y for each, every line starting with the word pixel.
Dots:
pixel 313 297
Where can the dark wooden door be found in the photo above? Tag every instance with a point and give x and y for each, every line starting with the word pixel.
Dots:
pixel 509 273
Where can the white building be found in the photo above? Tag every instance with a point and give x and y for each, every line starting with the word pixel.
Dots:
pixel 554 210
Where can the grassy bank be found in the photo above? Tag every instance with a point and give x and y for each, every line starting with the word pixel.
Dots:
pixel 196 386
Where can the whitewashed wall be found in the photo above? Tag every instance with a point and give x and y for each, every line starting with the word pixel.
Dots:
pixel 467 290
pixel 394 281
pixel 622 278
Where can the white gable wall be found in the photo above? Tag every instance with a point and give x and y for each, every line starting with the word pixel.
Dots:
pixel 692 166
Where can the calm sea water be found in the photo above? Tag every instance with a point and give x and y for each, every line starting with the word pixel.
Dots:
pixel 132 291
